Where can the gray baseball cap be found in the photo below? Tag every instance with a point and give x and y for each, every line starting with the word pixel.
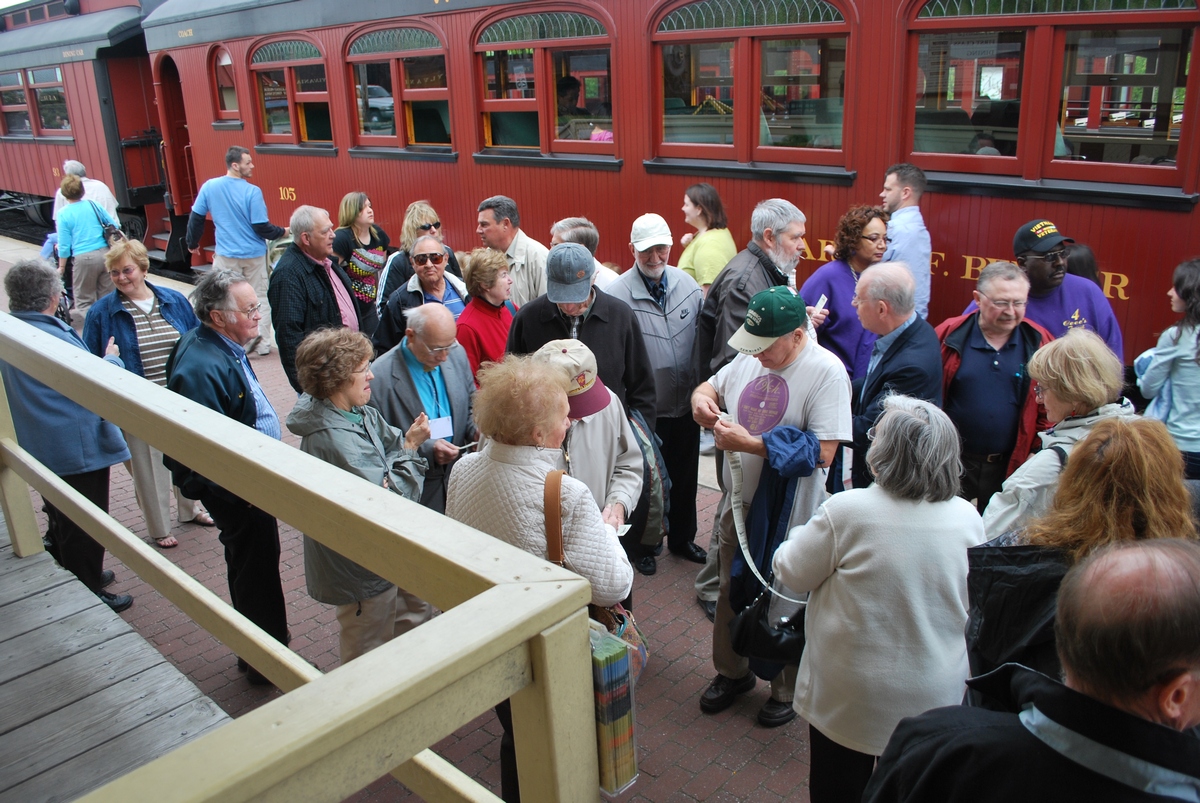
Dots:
pixel 569 269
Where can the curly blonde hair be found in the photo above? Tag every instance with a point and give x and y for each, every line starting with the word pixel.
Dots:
pixel 517 396
pixel 1123 482
pixel 1080 369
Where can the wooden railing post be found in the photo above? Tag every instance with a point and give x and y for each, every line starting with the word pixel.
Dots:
pixel 14 494
pixel 554 718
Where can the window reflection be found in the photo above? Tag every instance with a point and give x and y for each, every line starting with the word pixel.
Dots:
pixel 583 94
pixel 698 93
pixel 1123 95
pixel 968 92
pixel 802 92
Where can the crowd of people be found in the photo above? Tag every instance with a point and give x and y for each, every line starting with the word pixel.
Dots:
pixel 954 500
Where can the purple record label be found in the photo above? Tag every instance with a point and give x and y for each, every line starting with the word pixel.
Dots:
pixel 762 404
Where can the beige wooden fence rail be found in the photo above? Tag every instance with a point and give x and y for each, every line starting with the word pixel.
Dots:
pixel 514 626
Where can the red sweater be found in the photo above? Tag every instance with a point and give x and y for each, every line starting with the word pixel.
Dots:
pixel 483 332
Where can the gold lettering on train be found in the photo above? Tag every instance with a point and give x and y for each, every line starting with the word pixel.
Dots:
pixel 1115 284
pixel 186 33
pixel 73 54
pixel 935 262
pixel 827 248
pixel 287 193
pixel 973 265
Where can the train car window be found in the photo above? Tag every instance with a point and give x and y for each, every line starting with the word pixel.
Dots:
pixel 48 101
pixel 226 90
pixel 547 84
pixel 14 105
pixel 969 92
pixel 1122 97
pixel 405 66
pixel 292 93
pixel 1107 106
pixel 753 80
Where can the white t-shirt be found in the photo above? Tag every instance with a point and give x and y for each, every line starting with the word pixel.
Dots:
pixel 812 393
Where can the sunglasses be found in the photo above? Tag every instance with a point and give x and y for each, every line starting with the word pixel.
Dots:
pixel 424 259
pixel 437 224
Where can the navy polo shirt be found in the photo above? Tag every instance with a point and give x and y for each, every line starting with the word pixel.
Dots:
pixel 984 399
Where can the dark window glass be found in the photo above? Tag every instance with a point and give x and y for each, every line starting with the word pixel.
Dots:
pixel 310 78
pixel 513 129
pixel 315 125
pixel 508 74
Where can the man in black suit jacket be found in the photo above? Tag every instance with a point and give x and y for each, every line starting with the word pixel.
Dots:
pixel 906 359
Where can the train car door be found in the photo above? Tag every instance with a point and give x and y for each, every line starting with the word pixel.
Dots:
pixel 177 142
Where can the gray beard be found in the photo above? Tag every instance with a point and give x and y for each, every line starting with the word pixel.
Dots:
pixel 786 266
pixel 654 274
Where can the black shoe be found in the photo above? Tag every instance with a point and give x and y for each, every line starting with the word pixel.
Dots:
pixel 658 549
pixel 243 666
pixel 690 551
pixel 721 692
pixel 646 565
pixel 775 713
pixel 118 602
pixel 107 578
pixel 257 678
pixel 710 608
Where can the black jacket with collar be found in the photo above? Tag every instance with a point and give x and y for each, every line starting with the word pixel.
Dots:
pixel 911 366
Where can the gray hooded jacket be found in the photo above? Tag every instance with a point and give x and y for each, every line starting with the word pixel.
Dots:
pixel 374 451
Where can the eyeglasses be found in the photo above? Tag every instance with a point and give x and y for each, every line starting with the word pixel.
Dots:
pixel 875 238
pixel 437 224
pixel 125 272
pixel 250 313
pixel 424 259
pixel 871 434
pixel 436 349
pixel 1039 392
pixel 1051 256
pixel 1017 305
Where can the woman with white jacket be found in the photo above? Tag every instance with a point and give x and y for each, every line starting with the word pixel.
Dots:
pixel 521 408
pixel 887 570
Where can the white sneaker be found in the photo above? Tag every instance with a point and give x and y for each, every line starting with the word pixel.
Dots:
pixel 707 444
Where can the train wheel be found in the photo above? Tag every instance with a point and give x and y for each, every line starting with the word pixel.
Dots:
pixel 134 226
pixel 40 211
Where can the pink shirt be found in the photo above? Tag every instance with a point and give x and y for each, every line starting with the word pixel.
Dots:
pixel 345 303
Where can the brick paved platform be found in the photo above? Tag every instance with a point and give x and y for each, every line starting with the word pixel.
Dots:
pixel 684 755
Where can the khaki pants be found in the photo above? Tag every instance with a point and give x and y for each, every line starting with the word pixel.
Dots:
pixel 726 661
pixel 90 283
pixel 255 271
pixel 371 622
pixel 152 486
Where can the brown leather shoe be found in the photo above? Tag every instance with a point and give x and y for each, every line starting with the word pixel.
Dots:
pixel 722 691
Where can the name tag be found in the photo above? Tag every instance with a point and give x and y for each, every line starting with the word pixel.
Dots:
pixel 441 427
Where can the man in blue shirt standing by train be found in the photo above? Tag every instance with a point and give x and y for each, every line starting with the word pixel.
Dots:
pixel 239 215
pixel 903 186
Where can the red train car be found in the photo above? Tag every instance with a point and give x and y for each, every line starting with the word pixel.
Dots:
pixel 1081 111
pixel 75 83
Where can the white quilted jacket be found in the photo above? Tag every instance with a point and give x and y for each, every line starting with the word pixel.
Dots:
pixel 499 491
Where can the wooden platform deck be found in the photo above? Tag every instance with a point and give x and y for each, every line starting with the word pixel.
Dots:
pixel 83 698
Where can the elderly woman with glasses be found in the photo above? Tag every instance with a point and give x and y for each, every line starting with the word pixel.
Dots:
pixel 419 220
pixel 887 570
pixel 335 424
pixel 145 321
pixel 431 284
pixel 860 243
pixel 1079 381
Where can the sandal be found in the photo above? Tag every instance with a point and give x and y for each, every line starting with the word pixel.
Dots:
pixel 202 518
pixel 166 543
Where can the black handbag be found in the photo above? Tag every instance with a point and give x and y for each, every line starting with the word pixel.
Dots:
pixel 112 234
pixel 758 632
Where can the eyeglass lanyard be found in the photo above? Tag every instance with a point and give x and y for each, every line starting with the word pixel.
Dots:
pixel 739 518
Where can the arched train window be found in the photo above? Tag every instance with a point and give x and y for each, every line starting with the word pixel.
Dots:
pixel 292 92
pixel 405 66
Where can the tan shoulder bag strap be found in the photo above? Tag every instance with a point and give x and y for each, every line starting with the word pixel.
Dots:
pixel 553 506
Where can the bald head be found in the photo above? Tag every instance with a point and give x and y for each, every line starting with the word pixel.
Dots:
pixel 884 297
pixel 1128 622
pixel 430 333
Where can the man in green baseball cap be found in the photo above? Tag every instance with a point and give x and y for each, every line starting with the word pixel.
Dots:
pixel 788 403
